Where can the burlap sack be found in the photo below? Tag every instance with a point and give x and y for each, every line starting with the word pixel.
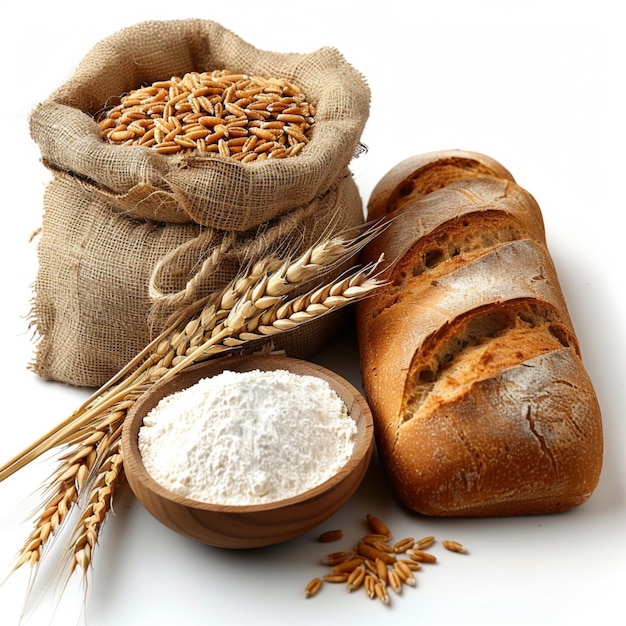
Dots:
pixel 129 235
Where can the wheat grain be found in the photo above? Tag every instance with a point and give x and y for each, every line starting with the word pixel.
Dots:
pixel 404 573
pixel 369 585
pixel 346 567
pixel 369 552
pixel 421 556
pixel 454 546
pixel 381 592
pixel 356 578
pixel 335 578
pixel 331 535
pixel 377 527
pixel 312 587
pixel 403 545
pixel 414 566
pixel 381 569
pixel 334 558
pixel 395 582
pixel 378 544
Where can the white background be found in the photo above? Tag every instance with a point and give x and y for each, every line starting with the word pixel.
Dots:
pixel 534 84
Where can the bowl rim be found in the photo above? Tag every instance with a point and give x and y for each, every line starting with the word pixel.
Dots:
pixel 362 451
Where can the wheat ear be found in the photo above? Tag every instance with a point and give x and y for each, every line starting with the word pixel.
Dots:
pixel 273 278
pixel 286 317
pixel 251 308
pixel 289 316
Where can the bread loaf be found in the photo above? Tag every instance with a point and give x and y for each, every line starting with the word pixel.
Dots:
pixel 469 360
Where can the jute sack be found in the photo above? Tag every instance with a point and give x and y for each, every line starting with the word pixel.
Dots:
pixel 131 236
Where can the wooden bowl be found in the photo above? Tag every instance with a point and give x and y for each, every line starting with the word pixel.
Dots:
pixel 256 525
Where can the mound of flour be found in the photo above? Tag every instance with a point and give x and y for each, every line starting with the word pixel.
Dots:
pixel 247 437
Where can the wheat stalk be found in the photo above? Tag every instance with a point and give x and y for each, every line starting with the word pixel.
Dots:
pixel 251 309
pixel 102 492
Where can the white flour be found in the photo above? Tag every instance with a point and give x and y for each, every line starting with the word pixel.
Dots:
pixel 247 437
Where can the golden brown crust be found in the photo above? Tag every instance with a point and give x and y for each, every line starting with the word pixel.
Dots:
pixel 469 359
pixel 524 441
pixel 422 174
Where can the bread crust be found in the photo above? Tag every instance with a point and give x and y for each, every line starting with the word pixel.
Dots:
pixel 421 174
pixel 469 359
pixel 524 441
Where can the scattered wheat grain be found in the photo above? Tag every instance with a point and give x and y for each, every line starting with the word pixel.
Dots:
pixel 377 527
pixel 381 592
pixel 403 545
pixel 346 567
pixel 454 546
pixel 421 556
pixel 335 558
pixel 370 552
pixel 335 578
pixel 356 578
pixel 395 582
pixel 404 572
pixel 313 587
pixel 331 535
pixel 369 584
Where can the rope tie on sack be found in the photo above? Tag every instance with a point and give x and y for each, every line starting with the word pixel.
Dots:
pixel 208 266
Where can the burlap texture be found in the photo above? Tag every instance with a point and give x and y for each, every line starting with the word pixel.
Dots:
pixel 130 236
